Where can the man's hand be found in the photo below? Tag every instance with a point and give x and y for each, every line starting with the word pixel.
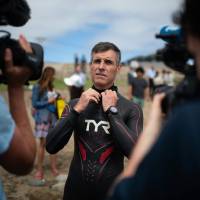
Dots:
pixel 156 114
pixel 20 156
pixel 109 98
pixel 147 138
pixel 17 75
pixel 86 97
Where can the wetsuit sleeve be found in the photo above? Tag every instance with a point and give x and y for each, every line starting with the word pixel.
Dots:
pixel 126 133
pixel 61 133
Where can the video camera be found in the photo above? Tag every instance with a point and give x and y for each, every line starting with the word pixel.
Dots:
pixel 176 56
pixel 17 13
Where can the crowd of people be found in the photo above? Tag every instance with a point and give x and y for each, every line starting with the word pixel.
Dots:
pixel 163 158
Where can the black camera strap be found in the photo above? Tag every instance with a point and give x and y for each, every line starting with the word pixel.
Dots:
pixel 35 61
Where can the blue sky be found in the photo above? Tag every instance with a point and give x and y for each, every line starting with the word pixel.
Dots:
pixel 66 27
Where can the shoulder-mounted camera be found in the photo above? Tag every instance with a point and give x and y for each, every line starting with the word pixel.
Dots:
pixel 17 13
pixel 176 56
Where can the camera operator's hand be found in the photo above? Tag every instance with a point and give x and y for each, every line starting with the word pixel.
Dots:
pixel 17 75
pixel 20 156
pixel 148 137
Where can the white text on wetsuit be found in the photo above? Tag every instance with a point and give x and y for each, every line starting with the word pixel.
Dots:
pixel 104 124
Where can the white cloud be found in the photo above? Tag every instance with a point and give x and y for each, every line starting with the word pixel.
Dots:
pixel 131 23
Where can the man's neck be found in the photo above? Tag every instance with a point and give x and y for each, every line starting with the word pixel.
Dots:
pixel 113 87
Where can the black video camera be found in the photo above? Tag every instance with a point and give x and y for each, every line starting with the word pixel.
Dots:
pixel 17 13
pixel 176 56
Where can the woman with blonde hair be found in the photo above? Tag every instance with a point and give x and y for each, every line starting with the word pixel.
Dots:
pixel 43 102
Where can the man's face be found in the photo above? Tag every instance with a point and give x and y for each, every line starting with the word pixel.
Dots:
pixel 104 68
pixel 78 69
pixel 139 74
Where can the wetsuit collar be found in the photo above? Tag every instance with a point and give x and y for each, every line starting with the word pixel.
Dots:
pixel 113 88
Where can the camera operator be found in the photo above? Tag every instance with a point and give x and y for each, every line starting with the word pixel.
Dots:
pixel 20 61
pixel 165 163
pixel 17 144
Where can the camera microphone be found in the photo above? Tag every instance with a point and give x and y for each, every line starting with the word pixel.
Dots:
pixel 14 12
pixel 170 34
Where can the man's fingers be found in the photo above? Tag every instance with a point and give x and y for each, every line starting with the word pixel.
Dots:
pixel 95 93
pixel 97 96
pixel 8 58
pixel 25 44
pixel 158 98
pixel 94 99
pixel 109 93
pixel 92 92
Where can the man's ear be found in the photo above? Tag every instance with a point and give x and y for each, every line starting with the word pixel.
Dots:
pixel 119 67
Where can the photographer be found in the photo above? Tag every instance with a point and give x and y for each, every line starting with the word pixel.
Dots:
pixel 17 144
pixel 165 164
pixel 20 61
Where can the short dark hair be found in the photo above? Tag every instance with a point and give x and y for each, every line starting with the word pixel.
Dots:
pixel 105 46
pixel 189 17
pixel 140 69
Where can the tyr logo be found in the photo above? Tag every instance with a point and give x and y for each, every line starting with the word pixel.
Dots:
pixel 105 125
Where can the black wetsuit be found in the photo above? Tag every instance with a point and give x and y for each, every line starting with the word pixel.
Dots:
pixel 101 141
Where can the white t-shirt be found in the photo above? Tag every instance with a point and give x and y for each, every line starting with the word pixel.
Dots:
pixel 77 80
pixel 51 94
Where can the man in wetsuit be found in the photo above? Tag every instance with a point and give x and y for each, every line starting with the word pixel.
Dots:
pixel 105 126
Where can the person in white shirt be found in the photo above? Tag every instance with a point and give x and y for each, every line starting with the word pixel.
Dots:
pixel 76 83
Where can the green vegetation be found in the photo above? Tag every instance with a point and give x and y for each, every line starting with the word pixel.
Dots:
pixel 59 84
pixel 3 87
pixel 88 84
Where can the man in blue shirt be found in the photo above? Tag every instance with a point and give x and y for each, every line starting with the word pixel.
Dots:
pixel 17 144
pixel 7 126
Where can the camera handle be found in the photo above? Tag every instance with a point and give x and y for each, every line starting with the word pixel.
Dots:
pixel 4 35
